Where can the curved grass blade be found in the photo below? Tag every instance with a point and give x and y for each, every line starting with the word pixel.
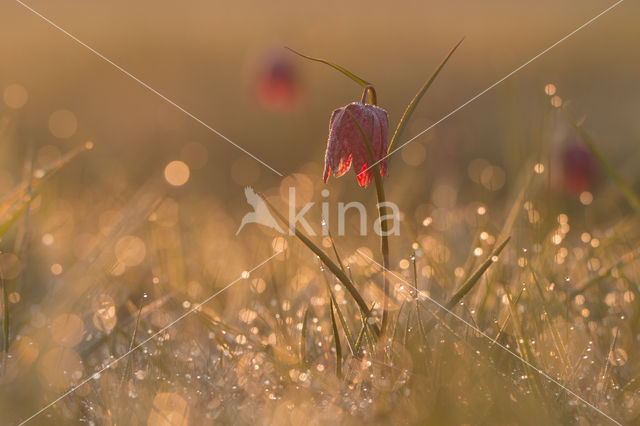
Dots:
pixel 367 333
pixel 416 99
pixel 397 324
pixel 303 337
pixel 18 200
pixel 343 322
pixel 606 273
pixel 335 252
pixel 343 70
pixel 335 269
pixel 336 338
pixel 523 344
pixel 471 281
pixel 359 338
pixel 407 329
pixel 555 335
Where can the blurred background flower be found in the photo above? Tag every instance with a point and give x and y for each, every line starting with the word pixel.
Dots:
pixel 277 83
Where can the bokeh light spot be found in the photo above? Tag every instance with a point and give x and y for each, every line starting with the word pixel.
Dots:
pixel 15 96
pixel 556 101
pixel 550 89
pixel 168 409
pixel 63 124
pixel 67 330
pixel 414 154
pixel 176 173
pixel 130 250
pixel 56 269
pixel 61 368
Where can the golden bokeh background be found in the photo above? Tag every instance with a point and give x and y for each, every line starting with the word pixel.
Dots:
pixel 142 212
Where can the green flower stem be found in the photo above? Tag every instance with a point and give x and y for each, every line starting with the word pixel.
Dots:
pixel 382 211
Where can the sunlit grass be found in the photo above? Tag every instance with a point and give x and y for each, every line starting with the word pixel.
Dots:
pixel 546 276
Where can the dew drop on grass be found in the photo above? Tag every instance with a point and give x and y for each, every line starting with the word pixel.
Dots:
pixel 618 357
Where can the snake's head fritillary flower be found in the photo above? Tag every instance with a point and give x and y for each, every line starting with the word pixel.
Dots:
pixel 579 167
pixel 277 86
pixel 346 145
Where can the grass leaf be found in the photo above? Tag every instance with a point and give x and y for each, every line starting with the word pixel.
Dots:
pixel 18 200
pixel 336 338
pixel 471 281
pixel 416 99
pixel 555 335
pixel 303 337
pixel 343 70
pixel 343 322
pixel 335 269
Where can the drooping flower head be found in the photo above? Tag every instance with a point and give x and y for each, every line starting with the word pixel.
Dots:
pixel 277 86
pixel 579 168
pixel 346 145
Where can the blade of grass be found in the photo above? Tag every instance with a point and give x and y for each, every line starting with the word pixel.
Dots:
pixel 17 202
pixel 605 368
pixel 555 335
pixel 359 338
pixel 626 190
pixel 335 252
pixel 343 70
pixel 471 281
pixel 506 321
pixel 343 322
pixel 5 321
pixel 335 269
pixel 397 324
pixel 303 337
pixel 512 216
pixel 355 348
pixel 367 333
pixel 605 273
pixel 407 329
pixel 416 99
pixel 336 338
pixel 523 344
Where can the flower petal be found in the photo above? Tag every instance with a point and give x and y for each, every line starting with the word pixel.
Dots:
pixel 346 145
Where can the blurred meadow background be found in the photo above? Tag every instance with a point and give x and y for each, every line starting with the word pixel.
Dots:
pixel 118 214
